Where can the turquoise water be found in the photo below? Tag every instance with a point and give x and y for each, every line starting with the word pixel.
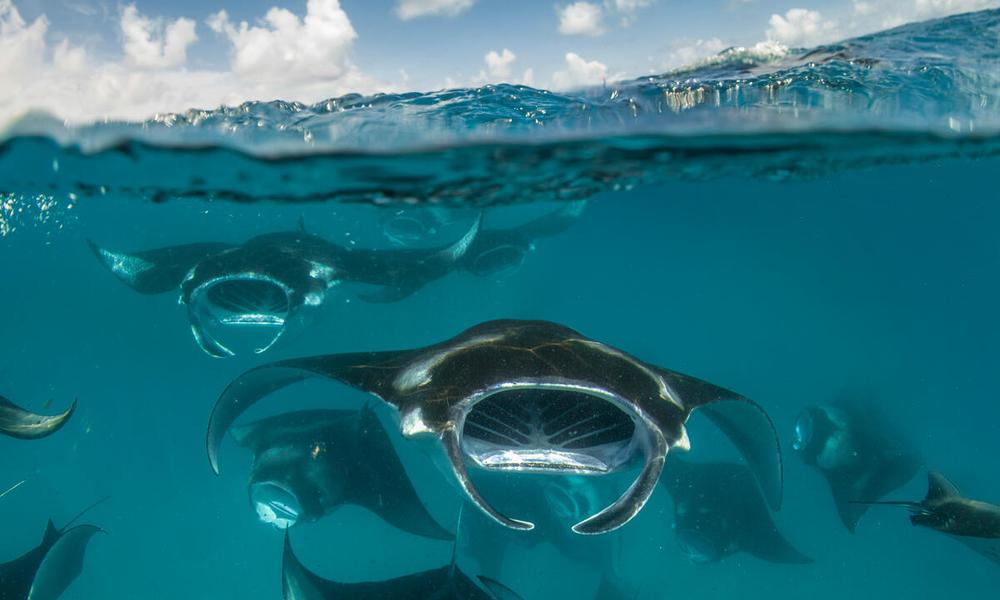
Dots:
pixel 794 228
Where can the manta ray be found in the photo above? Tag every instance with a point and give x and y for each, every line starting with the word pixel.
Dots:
pixel 534 397
pixel 47 570
pixel 972 522
pixel 274 281
pixel 309 463
pixel 857 450
pixel 496 252
pixel 500 252
pixel 718 511
pixel 446 583
pixel 19 423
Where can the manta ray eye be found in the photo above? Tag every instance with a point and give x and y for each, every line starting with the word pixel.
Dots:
pixel 275 505
pixel 501 261
pixel 803 431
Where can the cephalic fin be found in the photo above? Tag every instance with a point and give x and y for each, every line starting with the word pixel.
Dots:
pixel 453 449
pixel 630 503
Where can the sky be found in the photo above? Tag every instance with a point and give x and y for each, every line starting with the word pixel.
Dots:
pixel 86 60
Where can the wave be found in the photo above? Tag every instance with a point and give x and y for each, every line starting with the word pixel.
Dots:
pixel 924 91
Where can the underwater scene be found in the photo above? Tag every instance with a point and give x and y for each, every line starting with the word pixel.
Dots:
pixel 728 331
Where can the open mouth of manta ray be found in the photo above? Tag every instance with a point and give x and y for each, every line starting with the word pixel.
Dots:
pixel 231 315
pixel 275 505
pixel 501 261
pixel 548 431
pixel 556 427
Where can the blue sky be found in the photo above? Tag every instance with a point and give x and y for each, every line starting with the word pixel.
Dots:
pixel 84 59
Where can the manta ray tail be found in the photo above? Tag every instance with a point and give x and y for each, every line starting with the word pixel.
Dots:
pixel 155 271
pixel 938 489
pixel 12 488
pixel 86 510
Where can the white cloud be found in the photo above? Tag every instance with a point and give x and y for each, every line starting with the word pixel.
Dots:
pixel 285 56
pixel 580 18
pixel 151 44
pixel 941 8
pixel 579 73
pixel 287 48
pixel 411 9
pixel 627 9
pixel 685 55
pixel 500 69
pixel 499 64
pixel 873 15
pixel 22 46
pixel 801 27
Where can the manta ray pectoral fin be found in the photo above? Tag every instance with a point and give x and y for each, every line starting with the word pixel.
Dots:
pixel 22 424
pixel 939 488
pixel 371 372
pixel 629 504
pixel 498 590
pixel 299 583
pixel 453 448
pixel 62 564
pixel 379 482
pixel 750 429
pixel 155 271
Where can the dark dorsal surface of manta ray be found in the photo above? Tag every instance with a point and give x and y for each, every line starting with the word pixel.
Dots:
pixel 719 511
pixel 973 522
pixel 269 283
pixel 446 583
pixel 532 396
pixel 496 251
pixel 309 463
pixel 857 450
pixel 501 252
pixel 47 570
pixel 19 423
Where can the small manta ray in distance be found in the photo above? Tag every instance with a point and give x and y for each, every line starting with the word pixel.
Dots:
pixel 972 522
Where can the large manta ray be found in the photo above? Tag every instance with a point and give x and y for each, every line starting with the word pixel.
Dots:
pixel 496 252
pixel 46 571
pixel 857 450
pixel 532 396
pixel 267 283
pixel 445 583
pixel 309 463
pixel 19 423
pixel 972 522
pixel 718 511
